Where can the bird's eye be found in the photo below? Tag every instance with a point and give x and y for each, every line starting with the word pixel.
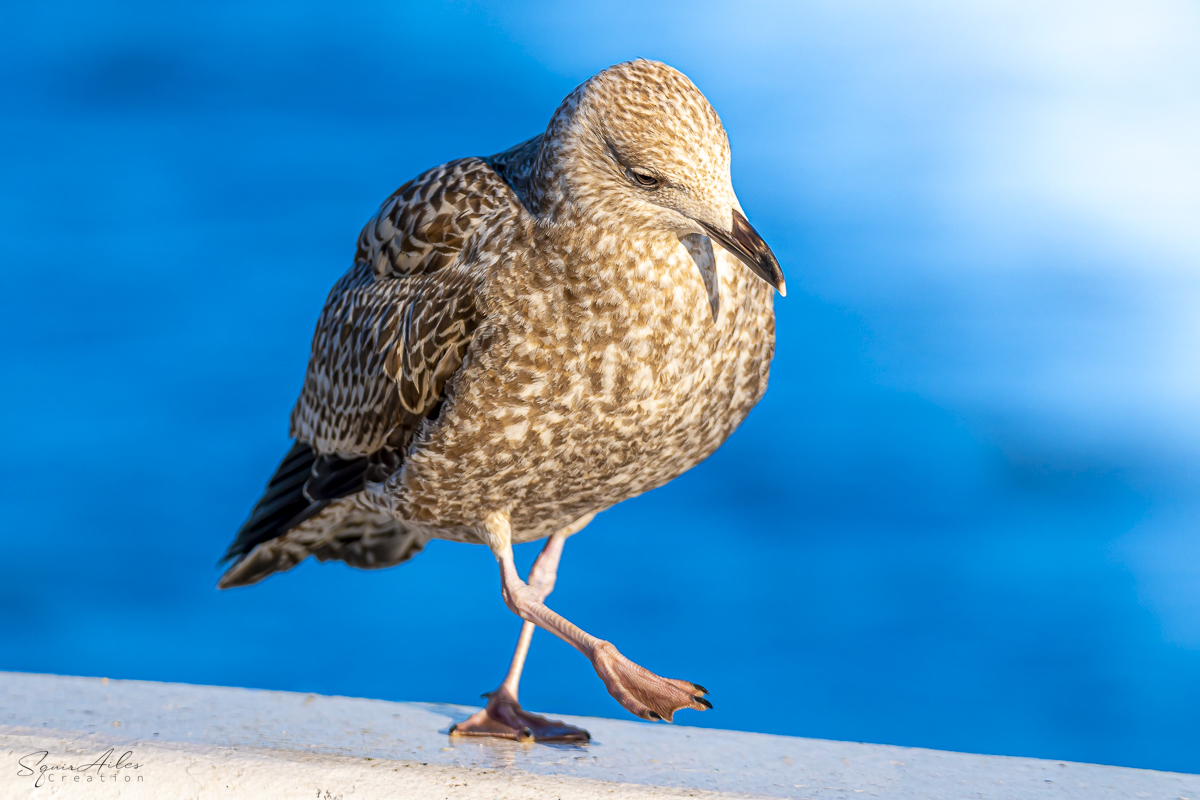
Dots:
pixel 643 179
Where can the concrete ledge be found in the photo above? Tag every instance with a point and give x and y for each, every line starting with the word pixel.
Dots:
pixel 203 741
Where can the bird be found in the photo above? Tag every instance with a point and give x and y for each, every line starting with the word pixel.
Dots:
pixel 522 341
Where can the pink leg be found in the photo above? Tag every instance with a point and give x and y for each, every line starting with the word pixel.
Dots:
pixel 503 716
pixel 641 692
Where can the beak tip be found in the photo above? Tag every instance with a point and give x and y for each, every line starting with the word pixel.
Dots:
pixel 744 243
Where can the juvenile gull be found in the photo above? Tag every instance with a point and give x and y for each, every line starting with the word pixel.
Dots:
pixel 523 341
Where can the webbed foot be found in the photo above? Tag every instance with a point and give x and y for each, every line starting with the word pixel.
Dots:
pixel 504 718
pixel 643 693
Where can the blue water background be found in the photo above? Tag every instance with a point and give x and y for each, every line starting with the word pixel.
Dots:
pixel 964 517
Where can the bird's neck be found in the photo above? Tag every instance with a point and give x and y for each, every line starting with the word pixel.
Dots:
pixel 579 250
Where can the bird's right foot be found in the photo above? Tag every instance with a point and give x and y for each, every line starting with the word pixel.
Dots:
pixel 643 693
pixel 504 718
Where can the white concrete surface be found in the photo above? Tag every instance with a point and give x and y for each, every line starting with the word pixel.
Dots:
pixel 203 741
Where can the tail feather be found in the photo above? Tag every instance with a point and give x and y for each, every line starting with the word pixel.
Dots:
pixel 334 477
pixel 283 500
pixel 343 531
pixel 304 485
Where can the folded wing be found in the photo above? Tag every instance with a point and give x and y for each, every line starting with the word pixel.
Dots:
pixel 394 331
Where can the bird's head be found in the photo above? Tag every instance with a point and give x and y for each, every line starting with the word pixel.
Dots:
pixel 639 143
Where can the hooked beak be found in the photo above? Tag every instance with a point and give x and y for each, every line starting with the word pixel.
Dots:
pixel 745 243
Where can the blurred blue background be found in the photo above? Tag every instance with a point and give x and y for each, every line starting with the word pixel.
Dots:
pixel 964 517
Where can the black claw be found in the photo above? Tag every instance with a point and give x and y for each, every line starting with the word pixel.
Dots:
pixel 525 735
pixel 453 728
pixel 700 688
pixel 702 702
pixel 654 715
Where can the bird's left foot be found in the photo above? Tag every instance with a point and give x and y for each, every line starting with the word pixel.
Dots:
pixel 643 693
pixel 504 718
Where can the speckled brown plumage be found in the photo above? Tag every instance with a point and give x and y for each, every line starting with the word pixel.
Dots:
pixel 539 334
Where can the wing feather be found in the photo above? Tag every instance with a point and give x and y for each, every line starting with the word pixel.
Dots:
pixel 394 331
pixel 397 326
